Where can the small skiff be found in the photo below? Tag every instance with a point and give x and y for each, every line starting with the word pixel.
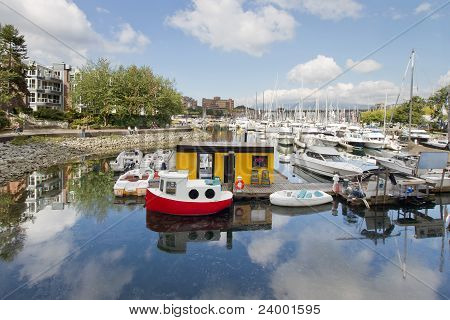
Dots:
pixel 299 198
pixel 133 183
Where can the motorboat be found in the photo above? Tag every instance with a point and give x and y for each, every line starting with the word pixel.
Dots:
pixel 326 161
pixel 299 198
pixel 417 135
pixel 158 160
pixel 133 183
pixel 179 195
pixel 434 177
pixel 374 140
pixel 284 158
pixel 327 140
pixel 353 139
pixel 126 160
pixel 392 144
pixel 399 163
pixel 285 137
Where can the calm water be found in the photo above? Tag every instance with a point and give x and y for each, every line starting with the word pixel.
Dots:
pixel 64 236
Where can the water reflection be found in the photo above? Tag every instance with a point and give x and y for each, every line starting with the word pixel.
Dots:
pixel 176 232
pixel 253 251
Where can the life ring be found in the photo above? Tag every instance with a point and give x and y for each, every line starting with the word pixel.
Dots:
pixel 239 212
pixel 239 184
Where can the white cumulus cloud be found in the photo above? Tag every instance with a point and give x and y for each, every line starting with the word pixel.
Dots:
pixel 423 7
pixel 372 91
pixel 67 22
pixel 101 10
pixel 319 69
pixel 364 66
pixel 325 9
pixel 225 24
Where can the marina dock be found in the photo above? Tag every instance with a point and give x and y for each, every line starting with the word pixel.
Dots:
pixel 280 182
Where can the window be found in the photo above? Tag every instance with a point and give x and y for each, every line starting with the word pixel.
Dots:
pixel 193 194
pixel 209 235
pixel 193 235
pixel 161 185
pixel 171 187
pixel 332 158
pixel 260 161
pixel 210 193
pixel 314 155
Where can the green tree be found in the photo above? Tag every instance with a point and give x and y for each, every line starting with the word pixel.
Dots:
pixel 401 112
pixel 134 91
pixel 13 53
pixel 375 116
pixel 92 88
pixel 168 102
pixel 93 194
pixel 437 102
pixel 12 233
pixel 125 96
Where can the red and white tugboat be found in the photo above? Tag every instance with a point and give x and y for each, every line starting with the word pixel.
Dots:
pixel 180 196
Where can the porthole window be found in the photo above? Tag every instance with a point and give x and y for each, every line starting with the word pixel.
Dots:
pixel 209 235
pixel 210 193
pixel 192 235
pixel 193 194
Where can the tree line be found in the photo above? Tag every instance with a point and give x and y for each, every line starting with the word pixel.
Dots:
pixel 101 95
pixel 135 96
pixel 434 108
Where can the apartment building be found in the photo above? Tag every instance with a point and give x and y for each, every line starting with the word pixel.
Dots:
pixel 49 86
pixel 189 103
pixel 218 104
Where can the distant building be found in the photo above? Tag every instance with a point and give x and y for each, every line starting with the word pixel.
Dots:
pixel 216 103
pixel 48 86
pixel 189 103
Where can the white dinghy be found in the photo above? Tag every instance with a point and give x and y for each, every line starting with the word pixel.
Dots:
pixel 299 198
pixel 133 183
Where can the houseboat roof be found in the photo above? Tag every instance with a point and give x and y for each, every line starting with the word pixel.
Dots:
pixel 173 174
pixel 211 147
pixel 324 150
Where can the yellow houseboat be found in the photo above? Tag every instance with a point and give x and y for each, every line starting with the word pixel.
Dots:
pixel 254 162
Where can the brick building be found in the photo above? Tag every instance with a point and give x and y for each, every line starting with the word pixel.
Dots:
pixel 218 104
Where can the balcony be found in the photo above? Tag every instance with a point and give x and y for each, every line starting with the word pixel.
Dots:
pixel 51 90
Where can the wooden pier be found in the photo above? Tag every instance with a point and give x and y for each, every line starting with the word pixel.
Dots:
pixel 279 183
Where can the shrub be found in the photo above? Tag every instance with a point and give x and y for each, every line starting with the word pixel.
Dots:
pixel 50 114
pixel 4 121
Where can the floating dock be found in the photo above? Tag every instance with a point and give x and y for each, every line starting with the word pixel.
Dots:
pixel 279 183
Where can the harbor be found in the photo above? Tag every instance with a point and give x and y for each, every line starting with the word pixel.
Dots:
pixel 210 158
pixel 254 243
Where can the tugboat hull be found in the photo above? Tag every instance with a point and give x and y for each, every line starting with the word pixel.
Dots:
pixel 155 202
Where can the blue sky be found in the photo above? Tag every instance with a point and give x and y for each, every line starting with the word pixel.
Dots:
pixel 235 48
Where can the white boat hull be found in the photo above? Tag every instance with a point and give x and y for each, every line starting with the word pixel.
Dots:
pixel 286 198
pixel 377 145
pixel 328 171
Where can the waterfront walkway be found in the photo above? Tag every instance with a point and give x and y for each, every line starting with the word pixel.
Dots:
pixel 9 135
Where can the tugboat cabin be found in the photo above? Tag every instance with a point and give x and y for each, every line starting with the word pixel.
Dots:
pixel 227 161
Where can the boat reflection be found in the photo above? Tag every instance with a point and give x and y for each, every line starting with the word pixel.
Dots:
pixel 175 232
pixel 301 211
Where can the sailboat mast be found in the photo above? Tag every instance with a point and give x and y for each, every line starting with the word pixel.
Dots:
pixel 384 122
pixel 411 94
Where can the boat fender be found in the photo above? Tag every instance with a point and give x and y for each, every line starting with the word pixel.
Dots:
pixel 156 175
pixel 336 183
pixel 239 184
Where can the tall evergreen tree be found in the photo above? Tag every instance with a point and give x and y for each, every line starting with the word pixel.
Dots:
pixel 13 53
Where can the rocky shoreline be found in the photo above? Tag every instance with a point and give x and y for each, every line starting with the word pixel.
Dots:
pixel 16 160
